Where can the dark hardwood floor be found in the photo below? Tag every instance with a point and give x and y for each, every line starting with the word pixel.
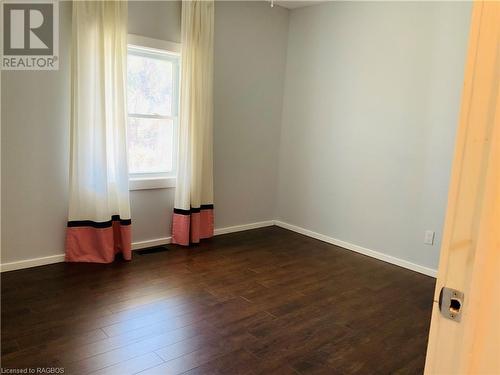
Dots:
pixel 266 301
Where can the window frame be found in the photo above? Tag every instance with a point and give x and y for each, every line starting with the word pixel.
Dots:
pixel 169 51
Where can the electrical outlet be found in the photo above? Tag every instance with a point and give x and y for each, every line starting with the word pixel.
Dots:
pixel 429 237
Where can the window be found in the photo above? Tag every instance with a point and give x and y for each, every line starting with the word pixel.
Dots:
pixel 152 101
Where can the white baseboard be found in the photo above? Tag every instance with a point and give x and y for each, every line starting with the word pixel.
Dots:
pixel 239 228
pixel 151 243
pixel 34 262
pixel 359 249
pixel 28 263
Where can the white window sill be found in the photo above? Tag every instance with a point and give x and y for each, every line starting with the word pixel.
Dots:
pixel 147 183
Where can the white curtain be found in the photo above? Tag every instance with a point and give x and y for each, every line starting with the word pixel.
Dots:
pixel 99 208
pixel 193 214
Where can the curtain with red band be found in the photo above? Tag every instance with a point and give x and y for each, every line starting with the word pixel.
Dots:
pixel 99 209
pixel 193 217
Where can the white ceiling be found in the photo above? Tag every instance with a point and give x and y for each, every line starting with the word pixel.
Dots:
pixel 293 4
pixel 289 4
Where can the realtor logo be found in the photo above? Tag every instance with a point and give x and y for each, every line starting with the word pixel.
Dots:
pixel 30 35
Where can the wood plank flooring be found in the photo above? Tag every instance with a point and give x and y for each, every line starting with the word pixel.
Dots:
pixel 265 301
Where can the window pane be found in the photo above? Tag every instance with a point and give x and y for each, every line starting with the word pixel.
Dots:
pixel 150 145
pixel 150 86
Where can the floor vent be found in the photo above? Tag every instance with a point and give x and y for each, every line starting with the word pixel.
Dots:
pixel 151 250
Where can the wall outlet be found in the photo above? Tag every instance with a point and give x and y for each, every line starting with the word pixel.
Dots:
pixel 429 237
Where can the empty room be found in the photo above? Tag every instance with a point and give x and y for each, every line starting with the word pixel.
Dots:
pixel 250 187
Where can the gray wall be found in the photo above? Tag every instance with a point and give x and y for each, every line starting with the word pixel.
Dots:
pixel 35 131
pixel 362 144
pixel 155 19
pixel 250 55
pixel 35 156
pixel 370 111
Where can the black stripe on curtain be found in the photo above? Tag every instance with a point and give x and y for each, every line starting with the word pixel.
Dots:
pixel 193 209
pixel 99 224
